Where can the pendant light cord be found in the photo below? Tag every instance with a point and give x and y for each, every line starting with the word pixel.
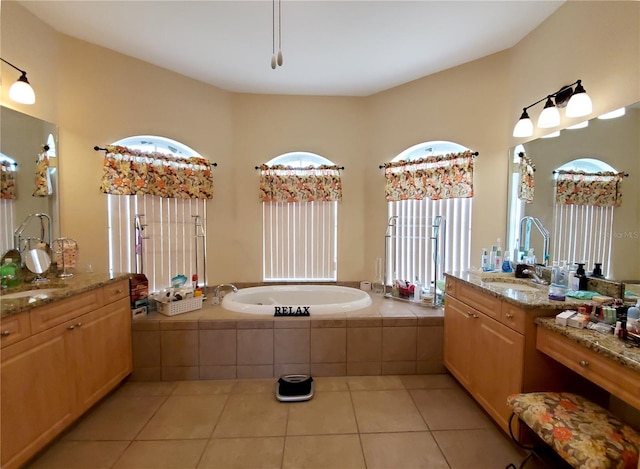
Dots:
pixel 280 26
pixel 275 62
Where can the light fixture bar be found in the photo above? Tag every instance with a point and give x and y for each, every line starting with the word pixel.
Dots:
pixel 576 101
pixel 21 91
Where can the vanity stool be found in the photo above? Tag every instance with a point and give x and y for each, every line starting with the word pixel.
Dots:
pixel 581 432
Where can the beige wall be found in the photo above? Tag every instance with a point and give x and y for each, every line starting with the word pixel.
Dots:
pixel 97 96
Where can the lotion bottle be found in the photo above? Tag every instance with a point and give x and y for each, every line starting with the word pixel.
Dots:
pixel 485 260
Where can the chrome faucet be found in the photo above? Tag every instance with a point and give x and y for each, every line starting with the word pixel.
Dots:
pixel 216 292
pixel 17 236
pixel 526 221
pixel 535 278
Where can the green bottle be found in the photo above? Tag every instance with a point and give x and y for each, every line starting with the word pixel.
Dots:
pixel 9 274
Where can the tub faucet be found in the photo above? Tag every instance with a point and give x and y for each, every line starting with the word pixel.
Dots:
pixel 216 292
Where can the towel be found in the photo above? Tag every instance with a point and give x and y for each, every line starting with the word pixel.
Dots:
pixel 581 294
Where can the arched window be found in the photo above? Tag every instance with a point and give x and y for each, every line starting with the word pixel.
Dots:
pixel 583 233
pixel 413 253
pixel 300 239
pixel 160 237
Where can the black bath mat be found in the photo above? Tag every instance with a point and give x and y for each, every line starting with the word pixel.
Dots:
pixel 293 388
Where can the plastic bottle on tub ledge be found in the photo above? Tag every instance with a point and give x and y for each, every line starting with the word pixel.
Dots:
pixel 417 290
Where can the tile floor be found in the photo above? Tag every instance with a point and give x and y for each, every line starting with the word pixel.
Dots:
pixel 405 422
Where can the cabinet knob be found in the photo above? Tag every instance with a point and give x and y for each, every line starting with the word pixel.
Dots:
pixel 472 315
pixel 119 291
pixel 5 333
pixel 584 363
pixel 79 324
pixel 72 327
pixel 509 316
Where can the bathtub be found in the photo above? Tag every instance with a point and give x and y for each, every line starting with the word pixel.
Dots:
pixel 290 300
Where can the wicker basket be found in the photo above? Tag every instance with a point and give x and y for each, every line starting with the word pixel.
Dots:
pixel 179 307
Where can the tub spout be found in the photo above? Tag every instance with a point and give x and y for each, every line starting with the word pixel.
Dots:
pixel 219 288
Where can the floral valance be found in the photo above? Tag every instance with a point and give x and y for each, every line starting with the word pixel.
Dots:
pixel 279 183
pixel 42 181
pixel 7 180
pixel 438 177
pixel 603 189
pixel 132 172
pixel 526 186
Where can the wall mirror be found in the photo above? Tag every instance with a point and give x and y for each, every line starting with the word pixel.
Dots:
pixel 615 142
pixel 23 138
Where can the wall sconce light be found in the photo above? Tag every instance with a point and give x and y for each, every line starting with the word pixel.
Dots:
pixel 576 101
pixel 21 91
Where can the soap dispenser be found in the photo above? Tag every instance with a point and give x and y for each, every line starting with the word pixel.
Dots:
pixel 582 277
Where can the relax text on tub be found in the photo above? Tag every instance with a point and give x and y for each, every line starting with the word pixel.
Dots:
pixel 291 300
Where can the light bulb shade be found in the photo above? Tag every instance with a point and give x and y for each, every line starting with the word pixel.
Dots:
pixel 21 91
pixel 550 116
pixel 580 103
pixel 580 125
pixel 613 114
pixel 524 126
pixel 552 134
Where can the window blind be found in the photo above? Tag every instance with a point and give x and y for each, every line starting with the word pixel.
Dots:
pixel 300 241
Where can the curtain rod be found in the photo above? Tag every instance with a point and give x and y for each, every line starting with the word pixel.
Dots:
pixel 474 154
pixel 97 148
pixel 338 167
pixel 522 155
pixel 623 174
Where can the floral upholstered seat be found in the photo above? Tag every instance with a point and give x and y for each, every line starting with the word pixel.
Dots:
pixel 581 432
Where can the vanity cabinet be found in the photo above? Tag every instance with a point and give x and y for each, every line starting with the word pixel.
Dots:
pixel 489 347
pixel 78 350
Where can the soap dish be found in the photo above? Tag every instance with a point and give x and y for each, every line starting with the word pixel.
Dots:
pixel 294 388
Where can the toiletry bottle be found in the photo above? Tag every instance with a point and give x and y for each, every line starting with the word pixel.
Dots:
pixel 492 258
pixel 597 270
pixel 417 290
pixel 395 290
pixel 633 317
pixel 506 263
pixel 498 264
pixel 573 278
pixel 515 259
pixel 485 260
pixel 582 277
pixel 9 274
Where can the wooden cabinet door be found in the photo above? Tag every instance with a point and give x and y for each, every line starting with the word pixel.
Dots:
pixel 102 339
pixel 34 389
pixel 498 367
pixel 459 325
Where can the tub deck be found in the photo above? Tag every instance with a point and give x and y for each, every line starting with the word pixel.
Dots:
pixel 389 337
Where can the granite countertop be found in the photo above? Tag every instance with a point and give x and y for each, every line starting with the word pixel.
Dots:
pixel 535 297
pixel 603 344
pixel 64 288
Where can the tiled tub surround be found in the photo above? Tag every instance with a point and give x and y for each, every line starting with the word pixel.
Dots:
pixel 388 338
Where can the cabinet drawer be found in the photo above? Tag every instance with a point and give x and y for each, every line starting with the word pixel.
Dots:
pixel 483 302
pixel 606 373
pixel 44 317
pixel 14 328
pixel 513 317
pixel 115 291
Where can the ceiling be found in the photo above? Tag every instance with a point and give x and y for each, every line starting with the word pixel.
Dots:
pixel 339 48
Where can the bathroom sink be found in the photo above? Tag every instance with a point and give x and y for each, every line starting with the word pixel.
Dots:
pixel 34 293
pixel 512 285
